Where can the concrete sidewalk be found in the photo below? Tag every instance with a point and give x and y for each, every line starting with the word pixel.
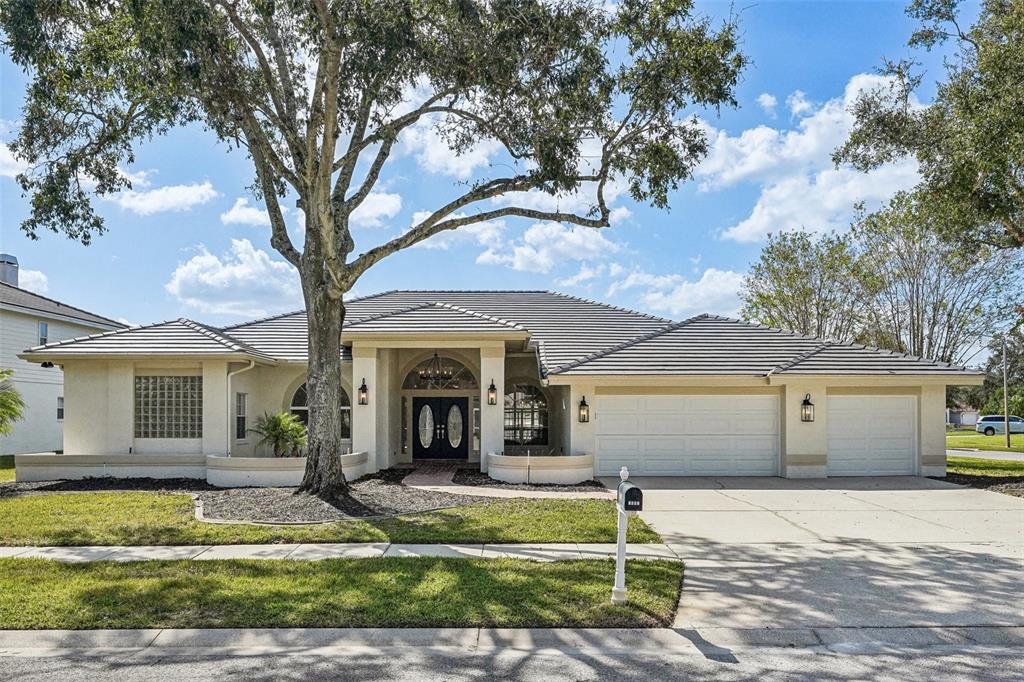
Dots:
pixel 987 454
pixel 313 552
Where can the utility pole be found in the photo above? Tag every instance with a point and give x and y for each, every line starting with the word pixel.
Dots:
pixel 1006 396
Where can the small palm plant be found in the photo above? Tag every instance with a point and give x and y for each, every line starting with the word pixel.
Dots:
pixel 283 432
pixel 12 407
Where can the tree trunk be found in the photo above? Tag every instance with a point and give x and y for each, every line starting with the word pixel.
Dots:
pixel 324 477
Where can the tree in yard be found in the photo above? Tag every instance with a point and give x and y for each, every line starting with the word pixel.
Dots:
pixel 806 285
pixel 926 296
pixel 969 143
pixel 317 92
pixel 12 406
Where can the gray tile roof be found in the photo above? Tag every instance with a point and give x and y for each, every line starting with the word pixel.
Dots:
pixel 712 345
pixel 173 338
pixel 572 337
pixel 21 298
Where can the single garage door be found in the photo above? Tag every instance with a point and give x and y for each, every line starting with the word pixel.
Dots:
pixel 692 435
pixel 872 435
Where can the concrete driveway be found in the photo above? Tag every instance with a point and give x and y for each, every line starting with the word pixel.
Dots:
pixel 817 555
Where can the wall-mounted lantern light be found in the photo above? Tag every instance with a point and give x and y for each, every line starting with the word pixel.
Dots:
pixel 584 411
pixel 492 394
pixel 364 394
pixel 807 409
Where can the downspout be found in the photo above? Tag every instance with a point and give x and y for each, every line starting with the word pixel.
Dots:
pixel 231 417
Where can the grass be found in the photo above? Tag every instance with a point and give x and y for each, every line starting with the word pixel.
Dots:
pixel 167 519
pixel 972 466
pixel 6 468
pixel 381 592
pixel 979 441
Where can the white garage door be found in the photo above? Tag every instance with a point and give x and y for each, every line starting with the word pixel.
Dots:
pixel 872 435
pixel 692 435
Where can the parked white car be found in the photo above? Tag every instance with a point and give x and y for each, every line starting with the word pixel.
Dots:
pixel 992 424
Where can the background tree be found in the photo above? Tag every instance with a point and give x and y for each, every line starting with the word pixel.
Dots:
pixel 12 407
pixel 926 296
pixel 988 398
pixel 969 142
pixel 804 284
pixel 317 92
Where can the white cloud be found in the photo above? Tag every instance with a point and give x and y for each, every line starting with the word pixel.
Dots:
pixel 10 166
pixel 241 213
pixel 163 199
pixel 434 154
pixel 767 102
pixel 33 280
pixel 245 281
pixel 376 209
pixel 486 233
pixel 545 245
pixel 798 103
pixel 717 291
pixel 585 274
pixel 800 187
pixel 822 202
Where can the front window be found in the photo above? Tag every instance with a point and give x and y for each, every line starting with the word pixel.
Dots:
pixel 300 408
pixel 168 407
pixel 44 333
pixel 60 408
pixel 240 414
pixel 526 416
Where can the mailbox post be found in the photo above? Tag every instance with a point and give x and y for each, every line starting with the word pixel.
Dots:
pixel 629 499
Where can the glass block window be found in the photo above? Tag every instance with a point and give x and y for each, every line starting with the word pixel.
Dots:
pixel 168 407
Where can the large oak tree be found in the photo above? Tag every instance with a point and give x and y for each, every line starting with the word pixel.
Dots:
pixel 317 92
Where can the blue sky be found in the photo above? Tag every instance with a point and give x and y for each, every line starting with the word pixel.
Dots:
pixel 183 242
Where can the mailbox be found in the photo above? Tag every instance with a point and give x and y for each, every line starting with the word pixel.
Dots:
pixel 630 497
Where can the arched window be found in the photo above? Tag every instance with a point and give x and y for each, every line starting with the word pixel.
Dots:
pixel 439 373
pixel 300 408
pixel 526 415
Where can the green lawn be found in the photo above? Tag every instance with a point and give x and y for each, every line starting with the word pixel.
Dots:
pixel 973 466
pixel 6 468
pixel 382 592
pixel 167 519
pixel 979 441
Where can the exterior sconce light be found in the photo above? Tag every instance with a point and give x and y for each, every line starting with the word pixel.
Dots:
pixel 364 394
pixel 492 394
pixel 807 409
pixel 584 411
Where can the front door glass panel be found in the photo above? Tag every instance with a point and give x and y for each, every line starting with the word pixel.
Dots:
pixel 454 426
pixel 426 426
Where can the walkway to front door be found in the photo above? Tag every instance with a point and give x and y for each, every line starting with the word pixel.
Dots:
pixel 441 428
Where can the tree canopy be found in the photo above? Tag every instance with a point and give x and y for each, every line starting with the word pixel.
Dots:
pixel 969 142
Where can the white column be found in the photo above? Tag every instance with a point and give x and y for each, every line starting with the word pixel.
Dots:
pixel 492 417
pixel 582 436
pixel 120 407
pixel 364 417
pixel 804 444
pixel 215 407
pixel 932 437
pixel 382 399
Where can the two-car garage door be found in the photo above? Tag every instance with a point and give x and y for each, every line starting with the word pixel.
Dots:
pixel 688 435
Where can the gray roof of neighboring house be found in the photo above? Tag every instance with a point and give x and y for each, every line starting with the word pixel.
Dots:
pixel 172 338
pixel 572 337
pixel 708 344
pixel 20 298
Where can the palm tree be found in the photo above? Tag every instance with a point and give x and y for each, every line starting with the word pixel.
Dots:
pixel 283 432
pixel 12 407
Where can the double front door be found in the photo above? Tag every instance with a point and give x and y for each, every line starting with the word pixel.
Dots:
pixel 441 428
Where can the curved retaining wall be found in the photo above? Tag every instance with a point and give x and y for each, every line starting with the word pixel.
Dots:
pixel 271 472
pixel 565 469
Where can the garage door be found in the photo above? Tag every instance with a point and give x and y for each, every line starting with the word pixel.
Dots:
pixel 872 435
pixel 692 435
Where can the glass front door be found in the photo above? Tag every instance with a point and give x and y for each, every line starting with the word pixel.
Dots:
pixel 440 428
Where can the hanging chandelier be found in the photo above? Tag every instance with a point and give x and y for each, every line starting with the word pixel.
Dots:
pixel 435 371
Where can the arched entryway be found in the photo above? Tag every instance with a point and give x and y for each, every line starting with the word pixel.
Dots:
pixel 440 412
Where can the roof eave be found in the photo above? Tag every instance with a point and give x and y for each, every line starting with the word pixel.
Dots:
pixel 57 358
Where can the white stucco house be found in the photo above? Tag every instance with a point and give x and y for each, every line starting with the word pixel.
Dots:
pixel 28 319
pixel 483 376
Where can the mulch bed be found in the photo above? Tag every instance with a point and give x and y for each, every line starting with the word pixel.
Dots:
pixel 1008 485
pixel 374 495
pixel 475 477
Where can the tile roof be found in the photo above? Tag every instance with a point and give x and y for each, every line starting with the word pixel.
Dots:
pixel 713 345
pixel 572 337
pixel 22 298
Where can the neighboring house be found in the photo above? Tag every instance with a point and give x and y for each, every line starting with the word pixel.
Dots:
pixel 454 375
pixel 961 416
pixel 28 319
